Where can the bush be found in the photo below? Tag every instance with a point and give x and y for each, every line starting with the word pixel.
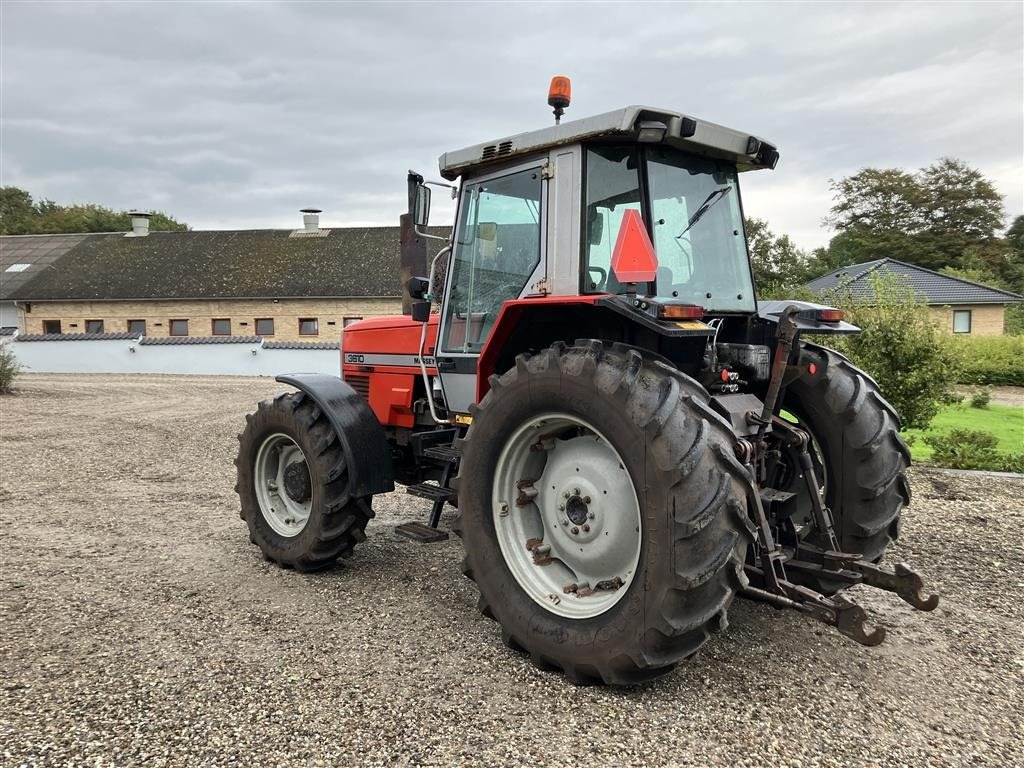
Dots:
pixel 9 368
pixel 981 398
pixel 971 449
pixel 993 360
pixel 912 360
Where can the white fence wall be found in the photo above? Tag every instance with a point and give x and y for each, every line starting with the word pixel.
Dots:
pixel 128 356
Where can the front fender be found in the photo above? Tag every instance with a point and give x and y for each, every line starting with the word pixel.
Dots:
pixel 362 439
pixel 805 319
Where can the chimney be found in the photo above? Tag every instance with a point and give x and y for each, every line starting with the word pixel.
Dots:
pixel 311 219
pixel 140 224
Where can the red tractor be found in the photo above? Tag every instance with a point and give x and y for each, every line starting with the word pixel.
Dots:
pixel 631 438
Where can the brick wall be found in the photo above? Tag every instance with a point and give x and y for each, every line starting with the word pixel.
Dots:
pixel 986 319
pixel 200 315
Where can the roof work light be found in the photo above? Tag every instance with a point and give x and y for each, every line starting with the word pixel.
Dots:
pixel 559 94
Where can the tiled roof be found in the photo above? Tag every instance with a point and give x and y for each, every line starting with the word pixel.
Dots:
pixel 8 330
pixel 75 336
pixel 344 262
pixel 22 257
pixel 932 287
pixel 169 341
pixel 301 345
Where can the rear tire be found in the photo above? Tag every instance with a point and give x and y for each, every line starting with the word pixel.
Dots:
pixel 691 495
pixel 864 458
pixel 293 431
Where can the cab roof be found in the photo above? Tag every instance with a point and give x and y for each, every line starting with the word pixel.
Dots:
pixel 688 133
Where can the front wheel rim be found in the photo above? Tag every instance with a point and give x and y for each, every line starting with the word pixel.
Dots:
pixel 282 484
pixel 567 516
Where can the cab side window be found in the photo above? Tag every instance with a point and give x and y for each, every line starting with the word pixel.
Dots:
pixel 498 248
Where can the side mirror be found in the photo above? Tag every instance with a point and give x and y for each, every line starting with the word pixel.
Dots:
pixel 419 200
pixel 420 311
pixel 418 287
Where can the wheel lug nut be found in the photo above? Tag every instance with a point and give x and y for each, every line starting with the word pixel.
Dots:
pixel 575 530
pixel 590 515
pixel 576 491
pixel 586 499
pixel 586 528
pixel 561 507
pixel 566 495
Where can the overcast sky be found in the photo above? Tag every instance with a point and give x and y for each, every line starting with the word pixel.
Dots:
pixel 235 115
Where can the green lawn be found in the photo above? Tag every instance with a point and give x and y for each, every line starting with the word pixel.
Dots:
pixel 1002 421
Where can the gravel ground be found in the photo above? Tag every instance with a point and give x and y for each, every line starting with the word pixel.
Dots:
pixel 140 626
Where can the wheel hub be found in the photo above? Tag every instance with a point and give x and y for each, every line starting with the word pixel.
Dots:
pixel 576 510
pixel 297 483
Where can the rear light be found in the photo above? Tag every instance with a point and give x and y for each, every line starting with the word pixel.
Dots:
pixel 680 312
pixel 830 315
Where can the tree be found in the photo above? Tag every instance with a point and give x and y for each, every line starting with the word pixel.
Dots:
pixel 933 217
pixel 19 215
pixel 961 210
pixel 779 266
pixel 899 345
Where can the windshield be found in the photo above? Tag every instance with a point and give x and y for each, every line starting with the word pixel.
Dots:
pixel 694 205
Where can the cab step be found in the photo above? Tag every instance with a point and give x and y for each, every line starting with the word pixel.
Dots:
pixel 420 532
pixel 430 491
pixel 442 452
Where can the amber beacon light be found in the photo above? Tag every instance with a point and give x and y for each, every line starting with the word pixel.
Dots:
pixel 559 95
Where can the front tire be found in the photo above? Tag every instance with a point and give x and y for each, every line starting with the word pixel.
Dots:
pixel 293 485
pixel 650 440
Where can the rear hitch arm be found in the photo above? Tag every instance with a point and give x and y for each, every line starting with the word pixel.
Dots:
pixel 902 580
pixel 845 615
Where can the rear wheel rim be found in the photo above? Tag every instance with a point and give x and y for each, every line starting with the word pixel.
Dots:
pixel 283 490
pixel 566 515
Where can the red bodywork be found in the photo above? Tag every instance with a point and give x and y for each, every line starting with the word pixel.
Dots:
pixel 380 360
pixel 380 356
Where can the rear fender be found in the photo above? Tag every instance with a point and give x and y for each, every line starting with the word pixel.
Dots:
pixel 362 439
pixel 525 325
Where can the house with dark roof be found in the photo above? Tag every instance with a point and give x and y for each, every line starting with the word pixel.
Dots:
pixel 957 305
pixel 282 285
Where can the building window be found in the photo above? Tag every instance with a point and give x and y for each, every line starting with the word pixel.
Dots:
pixel 308 326
pixel 961 321
pixel 94 326
pixel 179 327
pixel 222 327
pixel 264 326
pixel 346 322
pixel 51 326
pixel 137 327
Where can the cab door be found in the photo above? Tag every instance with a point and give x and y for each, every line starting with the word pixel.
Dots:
pixel 498 255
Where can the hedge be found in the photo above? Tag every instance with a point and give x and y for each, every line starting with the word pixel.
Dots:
pixel 994 360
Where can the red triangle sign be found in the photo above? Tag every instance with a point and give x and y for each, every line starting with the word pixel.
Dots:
pixel 634 260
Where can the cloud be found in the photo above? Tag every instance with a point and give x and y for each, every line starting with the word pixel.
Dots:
pixel 236 115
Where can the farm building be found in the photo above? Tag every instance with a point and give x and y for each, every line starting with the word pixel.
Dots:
pixel 957 305
pixel 282 285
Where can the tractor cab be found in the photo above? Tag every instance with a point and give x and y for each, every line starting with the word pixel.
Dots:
pixel 637 210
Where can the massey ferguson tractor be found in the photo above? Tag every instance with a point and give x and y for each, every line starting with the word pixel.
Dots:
pixel 631 438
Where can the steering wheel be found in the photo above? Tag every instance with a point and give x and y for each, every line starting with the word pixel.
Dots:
pixel 603 273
